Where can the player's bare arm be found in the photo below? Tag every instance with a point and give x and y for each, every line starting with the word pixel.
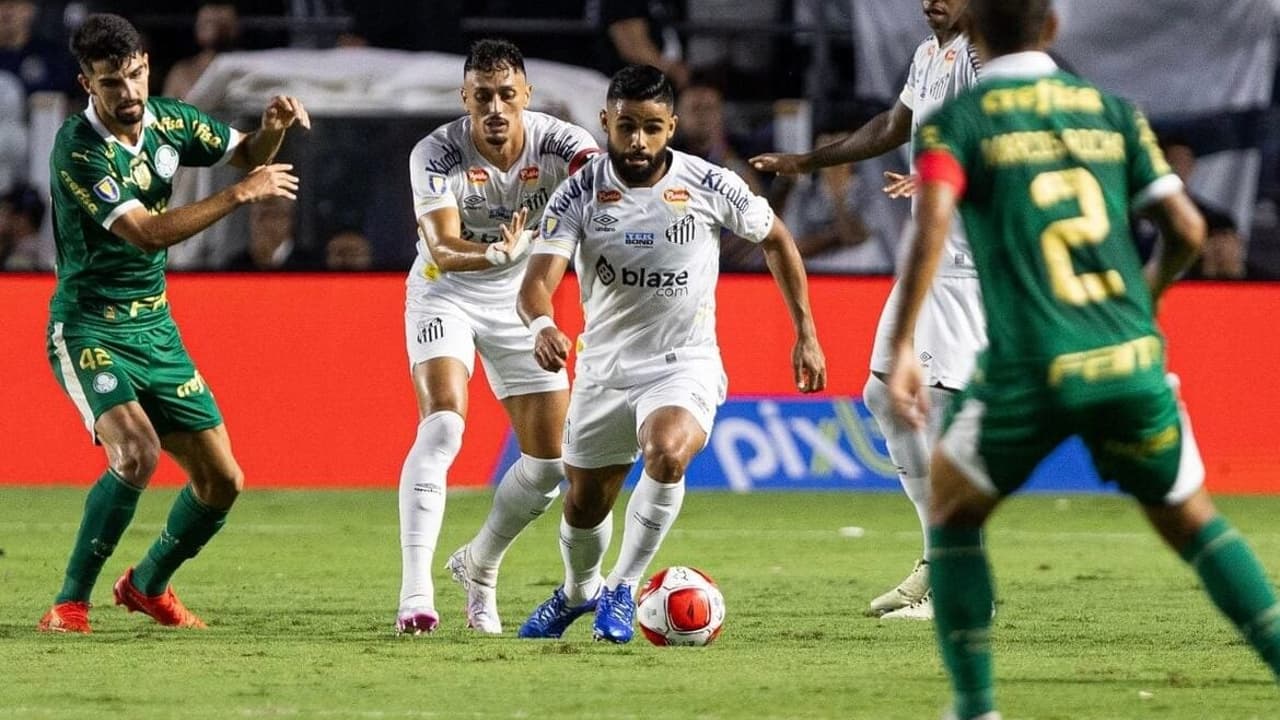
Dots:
pixel 933 217
pixel 884 132
pixel 1183 229
pixel 441 230
pixel 262 145
pixel 541 278
pixel 807 361
pixel 150 232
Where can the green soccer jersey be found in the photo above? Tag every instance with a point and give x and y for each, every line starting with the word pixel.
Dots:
pixel 1052 167
pixel 96 178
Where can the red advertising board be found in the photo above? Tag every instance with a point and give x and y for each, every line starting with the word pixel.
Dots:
pixel 311 373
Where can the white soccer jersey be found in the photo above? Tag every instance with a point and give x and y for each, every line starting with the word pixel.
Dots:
pixel 446 170
pixel 648 259
pixel 938 74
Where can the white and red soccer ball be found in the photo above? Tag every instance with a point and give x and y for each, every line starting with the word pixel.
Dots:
pixel 680 606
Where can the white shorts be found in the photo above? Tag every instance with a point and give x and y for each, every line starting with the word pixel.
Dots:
pixel 603 425
pixel 439 327
pixel 950 331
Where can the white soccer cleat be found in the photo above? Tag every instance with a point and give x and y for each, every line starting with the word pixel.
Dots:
pixel 482 600
pixel 910 591
pixel 921 609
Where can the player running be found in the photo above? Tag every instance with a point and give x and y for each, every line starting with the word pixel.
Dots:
pixel 951 329
pixel 114 347
pixel 477 182
pixel 1045 169
pixel 643 223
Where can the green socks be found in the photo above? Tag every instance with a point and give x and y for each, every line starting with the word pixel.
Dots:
pixel 962 601
pixel 190 525
pixel 1238 585
pixel 107 512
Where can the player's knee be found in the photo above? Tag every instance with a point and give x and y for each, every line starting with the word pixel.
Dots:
pixel 441 433
pixel 875 395
pixel 542 474
pixel 665 457
pixel 135 460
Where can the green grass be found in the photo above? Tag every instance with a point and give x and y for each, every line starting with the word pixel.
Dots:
pixel 1096 619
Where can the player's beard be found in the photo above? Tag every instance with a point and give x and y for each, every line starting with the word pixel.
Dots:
pixel 636 174
pixel 129 114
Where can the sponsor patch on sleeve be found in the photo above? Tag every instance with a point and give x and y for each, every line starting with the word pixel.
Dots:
pixel 107 189
pixel 436 184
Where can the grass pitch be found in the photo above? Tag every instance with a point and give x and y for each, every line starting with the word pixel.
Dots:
pixel 1095 620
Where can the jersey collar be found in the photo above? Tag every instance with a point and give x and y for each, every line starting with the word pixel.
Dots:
pixel 1028 64
pixel 147 119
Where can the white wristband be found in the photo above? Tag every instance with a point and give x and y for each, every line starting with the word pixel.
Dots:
pixel 496 255
pixel 540 323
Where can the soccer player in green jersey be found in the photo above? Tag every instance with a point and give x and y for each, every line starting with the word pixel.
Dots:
pixel 112 342
pixel 1045 169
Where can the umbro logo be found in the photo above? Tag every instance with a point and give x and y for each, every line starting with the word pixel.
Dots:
pixel 604 222
pixel 471 202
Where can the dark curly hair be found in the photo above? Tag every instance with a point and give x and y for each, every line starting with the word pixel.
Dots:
pixel 103 36
pixel 641 82
pixel 489 55
pixel 1008 26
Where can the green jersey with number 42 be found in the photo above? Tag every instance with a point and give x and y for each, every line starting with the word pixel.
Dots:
pixel 96 178
pixel 1051 169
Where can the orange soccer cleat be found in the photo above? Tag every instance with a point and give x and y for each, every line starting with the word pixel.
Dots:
pixel 165 608
pixel 66 617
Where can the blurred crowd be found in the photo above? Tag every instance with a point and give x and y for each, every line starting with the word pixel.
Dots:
pixel 728 77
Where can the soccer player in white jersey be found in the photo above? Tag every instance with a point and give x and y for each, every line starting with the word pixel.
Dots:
pixel 951 328
pixel 643 223
pixel 477 182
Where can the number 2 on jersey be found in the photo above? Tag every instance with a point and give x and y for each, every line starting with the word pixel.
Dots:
pixel 1090 227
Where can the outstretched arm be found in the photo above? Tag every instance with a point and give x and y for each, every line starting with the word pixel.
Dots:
pixel 541 278
pixel 262 145
pixel 807 361
pixel 441 230
pixel 155 232
pixel 878 136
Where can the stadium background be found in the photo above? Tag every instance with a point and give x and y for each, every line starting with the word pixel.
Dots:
pixel 310 370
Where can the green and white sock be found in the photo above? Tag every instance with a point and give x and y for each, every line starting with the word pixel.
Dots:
pixel 191 524
pixel 962 597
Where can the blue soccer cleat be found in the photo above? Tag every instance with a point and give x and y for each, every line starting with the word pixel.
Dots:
pixel 553 617
pixel 615 615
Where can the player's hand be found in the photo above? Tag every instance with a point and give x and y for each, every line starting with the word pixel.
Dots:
pixel 282 112
pixel 897 185
pixel 780 163
pixel 515 240
pixel 809 365
pixel 267 181
pixel 551 349
pixel 906 381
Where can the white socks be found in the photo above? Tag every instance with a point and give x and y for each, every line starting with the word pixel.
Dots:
pixel 422 496
pixel 651 512
pixel 583 552
pixel 527 489
pixel 908 448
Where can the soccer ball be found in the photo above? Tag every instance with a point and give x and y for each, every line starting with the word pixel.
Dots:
pixel 680 606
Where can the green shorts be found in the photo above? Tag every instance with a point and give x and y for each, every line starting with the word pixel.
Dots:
pixel 1141 441
pixel 102 367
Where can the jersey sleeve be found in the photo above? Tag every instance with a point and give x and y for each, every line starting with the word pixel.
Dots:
pixel 572 144
pixel 907 96
pixel 207 141
pixel 431 190
pixel 1150 177
pixel 86 175
pixel 741 211
pixel 943 147
pixel 561 226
